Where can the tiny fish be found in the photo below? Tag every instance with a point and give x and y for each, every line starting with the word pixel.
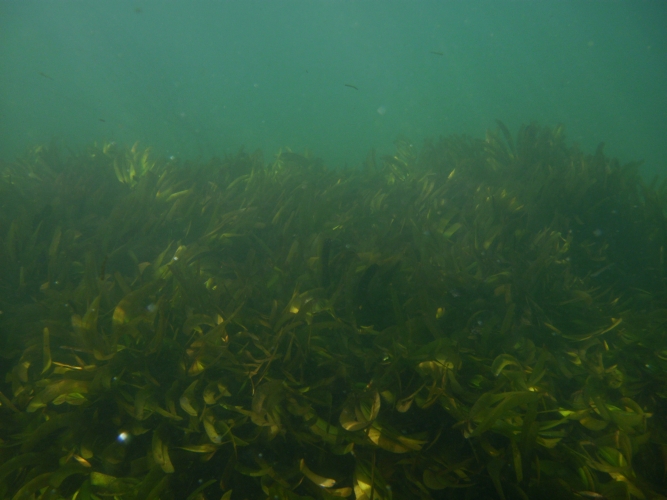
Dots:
pixel 437 53
pixel 45 75
pixel 351 86
pixel 590 494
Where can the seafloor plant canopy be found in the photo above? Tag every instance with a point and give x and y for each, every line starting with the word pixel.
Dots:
pixel 479 319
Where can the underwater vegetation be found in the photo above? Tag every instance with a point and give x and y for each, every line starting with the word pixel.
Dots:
pixel 484 318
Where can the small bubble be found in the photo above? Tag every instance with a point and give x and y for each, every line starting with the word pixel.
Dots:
pixel 123 437
pixel 260 455
pixel 175 258
pixel 56 282
pixel 151 307
pixel 348 246
pixel 597 233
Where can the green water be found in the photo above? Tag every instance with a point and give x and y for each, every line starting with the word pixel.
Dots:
pixel 201 79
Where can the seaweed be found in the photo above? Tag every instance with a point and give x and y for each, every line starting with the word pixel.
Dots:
pixel 481 318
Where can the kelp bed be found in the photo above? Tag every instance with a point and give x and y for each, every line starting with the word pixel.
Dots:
pixel 484 319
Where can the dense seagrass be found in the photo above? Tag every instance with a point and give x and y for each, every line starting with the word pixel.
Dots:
pixel 483 318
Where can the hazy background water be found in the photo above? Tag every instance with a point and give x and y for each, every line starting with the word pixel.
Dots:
pixel 194 79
